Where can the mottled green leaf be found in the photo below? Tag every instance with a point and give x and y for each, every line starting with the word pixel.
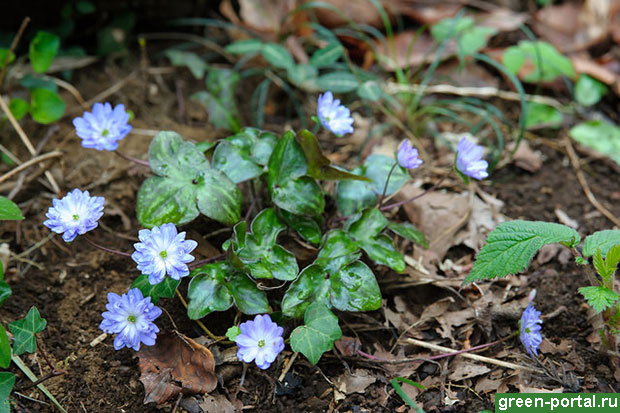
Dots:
pixel 302 196
pixel 207 291
pixel 248 298
pixel 277 55
pixel 337 82
pixel 303 76
pixel 244 46
pixel 369 90
pixel 287 160
pixel 589 91
pixel 355 288
pixel 235 162
pixel 305 226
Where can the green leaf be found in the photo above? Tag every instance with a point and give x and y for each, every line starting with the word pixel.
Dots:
pixel 85 7
pixel 248 298
pixel 611 262
pixel 337 251
pixel 165 289
pixel 310 287
pixel 278 56
pixel 46 106
pixel 186 184
pixel 599 264
pixel 191 60
pixel 511 246
pixel 24 331
pixel 219 98
pixel 7 381
pixel 303 76
pixel 5 348
pixel 4 52
pixel 337 82
pixel 355 288
pixel 327 55
pixel 233 332
pixel 318 334
pixel 287 160
pixel 5 291
pixel 235 162
pixel 302 196
pixel 43 48
pixel 368 225
pixel 396 384
pixel 451 28
pixel 540 115
pixel 599 135
pixel 19 107
pixel 474 39
pixel 377 168
pixel 31 82
pixel 602 240
pixel 319 166
pixel 244 46
pixel 9 211
pixel 305 226
pixel 354 196
pixel 589 91
pixel 599 298
pixel 548 63
pixel 408 231
pixel 369 90
pixel 207 291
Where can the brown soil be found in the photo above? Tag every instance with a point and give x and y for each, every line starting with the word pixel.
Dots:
pixel 68 284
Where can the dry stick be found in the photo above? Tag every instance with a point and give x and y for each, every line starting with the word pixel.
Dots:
pixel 14 43
pixel 200 324
pixel 476 357
pixel 574 160
pixel 26 141
pixel 288 366
pixel 28 164
pixel 69 88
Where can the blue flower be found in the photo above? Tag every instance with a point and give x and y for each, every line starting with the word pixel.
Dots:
pixel 103 128
pixel 530 325
pixel 76 213
pixel 334 116
pixel 163 251
pixel 469 160
pixel 130 317
pixel 260 340
pixel 408 156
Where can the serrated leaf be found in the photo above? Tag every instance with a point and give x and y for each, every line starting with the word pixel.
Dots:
pixel 219 98
pixel 408 231
pixel 165 289
pixel 511 246
pixel 191 60
pixel 9 211
pixel 186 185
pixel 337 82
pixel 244 46
pixel 599 298
pixel 318 334
pixel 278 55
pixel 43 48
pixel 599 264
pixel 602 240
pixel 611 260
pixel 5 349
pixel 24 331
pixel 327 55
pixel 7 381
pixel 46 106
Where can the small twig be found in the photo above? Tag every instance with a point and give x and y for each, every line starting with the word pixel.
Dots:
pixel 28 164
pixel 106 249
pixel 574 160
pixel 132 159
pixel 476 357
pixel 110 91
pixel 69 88
pixel 14 44
pixel 26 141
pixel 176 405
pixel 200 323
pixel 206 261
pixel 288 366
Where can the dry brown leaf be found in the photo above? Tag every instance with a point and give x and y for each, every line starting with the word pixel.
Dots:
pixel 217 404
pixel 484 216
pixel 504 20
pixel 450 319
pixel 175 364
pixel 462 369
pixel 426 13
pixel 348 346
pixel 360 11
pixel 357 382
pixel 525 157
pixel 412 50
pixel 487 384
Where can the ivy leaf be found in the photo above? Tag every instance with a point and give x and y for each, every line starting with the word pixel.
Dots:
pixel 602 240
pixel 24 331
pixel 9 210
pixel 408 231
pixel 43 48
pixel 600 298
pixel 185 185
pixel 219 98
pixel 165 289
pixel 511 246
pixel 318 334
pixel 7 381
pixel 5 348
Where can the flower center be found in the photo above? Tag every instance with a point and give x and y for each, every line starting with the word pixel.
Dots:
pixel 131 318
pixel 105 133
pixel 261 343
pixel 527 330
pixel 76 217
pixel 163 254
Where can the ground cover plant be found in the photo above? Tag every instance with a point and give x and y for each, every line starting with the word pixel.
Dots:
pixel 300 206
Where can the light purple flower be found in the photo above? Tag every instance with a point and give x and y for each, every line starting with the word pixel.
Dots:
pixel 104 127
pixel 260 341
pixel 76 213
pixel 163 251
pixel 530 325
pixel 334 116
pixel 408 156
pixel 469 160
pixel 130 317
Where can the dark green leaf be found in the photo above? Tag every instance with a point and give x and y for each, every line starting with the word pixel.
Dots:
pixel 191 60
pixel 337 82
pixel 218 197
pixel 208 290
pixel 4 52
pixel 602 240
pixel 277 55
pixel 46 106
pixel 43 48
pixel 9 211
pixel 589 91
pixel 327 55
pixel 408 231
pixel 5 349
pixel 310 287
pixel 318 334
pixel 7 381
pixel 337 251
pixel 244 46
pixel 219 98
pixel 85 7
pixel 5 291
pixel 368 225
pixel 302 196
pixel 248 298
pixel 377 168
pixel 355 288
pixel 287 160
pixel 354 196
pixel 35 82
pixel 165 289
pixel 600 298
pixel 305 226
pixel 162 200
pixel 24 331
pixel 19 107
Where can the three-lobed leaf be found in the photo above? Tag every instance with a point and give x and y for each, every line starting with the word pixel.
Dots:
pixel 511 246
pixel 318 334
pixel 24 331
pixel 600 298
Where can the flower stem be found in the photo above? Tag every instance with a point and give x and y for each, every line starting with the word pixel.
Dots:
pixel 206 261
pixel 200 323
pixel 387 181
pixel 102 248
pixel 132 159
pixel 397 204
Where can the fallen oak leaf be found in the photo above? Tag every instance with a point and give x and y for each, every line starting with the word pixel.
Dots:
pixel 175 364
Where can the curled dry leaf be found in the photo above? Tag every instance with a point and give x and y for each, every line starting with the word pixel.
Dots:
pixel 175 364
pixel 348 346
